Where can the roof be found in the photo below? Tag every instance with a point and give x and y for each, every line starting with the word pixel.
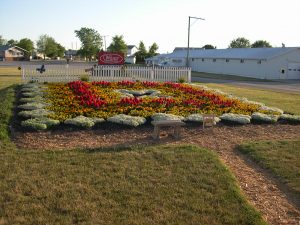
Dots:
pixel 158 56
pixel 71 52
pixel 234 53
pixel 6 47
pixel 185 48
pixel 130 46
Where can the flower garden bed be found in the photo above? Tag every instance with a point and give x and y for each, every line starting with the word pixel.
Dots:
pixel 85 104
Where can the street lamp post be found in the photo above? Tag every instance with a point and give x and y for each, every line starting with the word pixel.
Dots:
pixel 104 37
pixel 188 47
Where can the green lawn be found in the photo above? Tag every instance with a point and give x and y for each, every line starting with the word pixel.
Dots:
pixel 289 102
pixel 154 185
pixel 146 185
pixel 9 76
pixel 280 157
pixel 226 77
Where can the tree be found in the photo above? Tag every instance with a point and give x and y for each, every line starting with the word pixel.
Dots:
pixel 41 44
pixel 49 47
pixel 141 53
pixel 91 42
pixel 208 46
pixel 240 42
pixel 261 44
pixel 26 44
pixel 12 42
pixel 2 40
pixel 60 50
pixel 118 45
pixel 152 50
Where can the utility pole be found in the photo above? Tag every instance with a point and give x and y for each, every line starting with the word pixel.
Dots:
pixel 104 38
pixel 188 47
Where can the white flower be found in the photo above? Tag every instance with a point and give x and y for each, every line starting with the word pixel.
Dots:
pixel 290 118
pixel 165 116
pixel 37 113
pixel 39 123
pixel 268 118
pixel 127 120
pixel 271 109
pixel 32 106
pixel 199 118
pixel 81 121
pixel 236 118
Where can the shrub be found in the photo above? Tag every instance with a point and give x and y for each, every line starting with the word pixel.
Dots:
pixel 84 78
pixel 127 120
pixel 267 118
pixel 32 106
pixel 199 118
pixel 235 118
pixel 31 99
pixel 37 113
pixel 81 121
pixel 271 109
pixel 165 116
pixel 181 80
pixel 290 118
pixel 32 94
pixel 39 123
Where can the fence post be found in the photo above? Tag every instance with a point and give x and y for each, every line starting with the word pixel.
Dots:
pixel 189 75
pixel 23 73
pixel 152 73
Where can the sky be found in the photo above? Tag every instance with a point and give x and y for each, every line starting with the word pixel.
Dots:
pixel 162 21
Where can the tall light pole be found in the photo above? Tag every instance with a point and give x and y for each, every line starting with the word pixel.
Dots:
pixel 104 37
pixel 188 47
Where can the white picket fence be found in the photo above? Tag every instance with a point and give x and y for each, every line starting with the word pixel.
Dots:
pixel 67 73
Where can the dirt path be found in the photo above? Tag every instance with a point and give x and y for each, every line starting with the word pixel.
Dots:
pixel 260 189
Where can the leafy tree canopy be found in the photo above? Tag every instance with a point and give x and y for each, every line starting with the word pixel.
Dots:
pixel 26 44
pixel 208 46
pixel 12 42
pixel 261 44
pixel 141 53
pixel 2 40
pixel 118 45
pixel 91 42
pixel 49 47
pixel 153 50
pixel 240 42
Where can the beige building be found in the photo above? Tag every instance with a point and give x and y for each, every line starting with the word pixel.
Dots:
pixel 12 53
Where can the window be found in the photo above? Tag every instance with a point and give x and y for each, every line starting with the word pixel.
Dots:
pixel 202 60
pixel 214 60
pixel 227 60
pixel 242 61
pixel 193 59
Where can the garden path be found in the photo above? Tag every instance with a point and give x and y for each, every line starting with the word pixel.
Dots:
pixel 276 204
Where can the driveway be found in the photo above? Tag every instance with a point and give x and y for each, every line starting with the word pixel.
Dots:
pixel 277 85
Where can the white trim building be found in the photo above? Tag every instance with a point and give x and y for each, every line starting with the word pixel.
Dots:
pixel 262 63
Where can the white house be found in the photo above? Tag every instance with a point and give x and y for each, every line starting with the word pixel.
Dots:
pixel 130 57
pixel 262 63
pixel 131 50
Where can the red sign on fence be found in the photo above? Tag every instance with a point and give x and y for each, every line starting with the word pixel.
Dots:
pixel 110 58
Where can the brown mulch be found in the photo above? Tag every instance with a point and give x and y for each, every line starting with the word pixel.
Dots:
pixel 275 202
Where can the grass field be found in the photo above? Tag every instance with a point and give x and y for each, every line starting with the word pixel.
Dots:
pixel 280 157
pixel 9 76
pixel 146 185
pixel 226 77
pixel 289 102
pixel 161 185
